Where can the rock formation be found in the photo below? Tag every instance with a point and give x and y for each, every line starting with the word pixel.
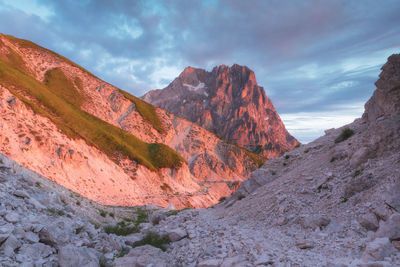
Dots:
pixel 64 123
pixel 228 102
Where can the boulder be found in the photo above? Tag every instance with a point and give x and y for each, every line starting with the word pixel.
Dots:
pixel 21 194
pixel 176 234
pixel 10 245
pixel 70 256
pixel 35 251
pixel 369 222
pixel 378 249
pixel 390 228
pixel 304 244
pixel 359 157
pixel 157 216
pixel 143 256
pixel 12 217
pixel 210 263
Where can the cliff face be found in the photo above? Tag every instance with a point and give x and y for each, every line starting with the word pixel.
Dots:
pixel 228 102
pixel 97 140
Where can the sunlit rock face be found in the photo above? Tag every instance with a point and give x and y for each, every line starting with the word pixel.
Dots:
pixel 212 168
pixel 229 102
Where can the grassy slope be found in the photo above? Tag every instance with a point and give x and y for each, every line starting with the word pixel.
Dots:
pixel 59 100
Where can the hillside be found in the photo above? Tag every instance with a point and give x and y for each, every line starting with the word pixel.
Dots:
pixel 97 140
pixel 228 102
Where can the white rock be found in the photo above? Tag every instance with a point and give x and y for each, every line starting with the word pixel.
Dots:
pixel 378 249
pixel 210 263
pixel 70 256
pixel 143 256
pixel 31 237
pixel 176 234
pixel 21 194
pixel 12 217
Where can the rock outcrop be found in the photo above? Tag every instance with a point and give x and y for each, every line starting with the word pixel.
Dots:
pixel 64 123
pixel 229 102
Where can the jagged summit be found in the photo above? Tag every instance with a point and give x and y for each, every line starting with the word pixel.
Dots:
pixel 229 102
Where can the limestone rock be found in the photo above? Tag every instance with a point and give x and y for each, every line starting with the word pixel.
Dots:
pixel 10 245
pixel 304 244
pixel 378 249
pixel 210 263
pixel 12 217
pixel 70 256
pixel 390 228
pixel 143 256
pixel 369 222
pixel 176 234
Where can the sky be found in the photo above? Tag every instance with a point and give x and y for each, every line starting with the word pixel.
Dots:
pixel 317 60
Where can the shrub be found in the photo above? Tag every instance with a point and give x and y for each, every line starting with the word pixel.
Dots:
pixel 287 157
pixel 356 173
pixel 120 229
pixel 332 159
pixel 222 199
pixel 346 134
pixel 55 212
pixel 102 213
pixel 153 239
pixel 240 197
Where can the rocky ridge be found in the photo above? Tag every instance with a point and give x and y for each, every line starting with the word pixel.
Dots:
pixel 212 168
pixel 229 102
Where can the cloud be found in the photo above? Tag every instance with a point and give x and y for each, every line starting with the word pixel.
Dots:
pixel 309 55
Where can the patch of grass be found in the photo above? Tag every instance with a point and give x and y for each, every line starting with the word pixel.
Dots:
pixel 240 197
pixel 297 145
pixel 78 230
pixel 322 187
pixel 153 239
pixel 142 216
pixel 333 159
pixel 122 252
pixel 344 135
pixel 59 100
pixel 121 230
pixel 78 203
pixel 111 214
pixel 222 199
pixel 55 212
pixel 38 185
pixel 147 111
pixel 344 199
pixel 287 156
pixel 172 213
pixel 102 213
pixel 165 187
pixel 306 151
pixel 356 173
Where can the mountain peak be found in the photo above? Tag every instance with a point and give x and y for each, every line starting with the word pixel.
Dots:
pixel 229 102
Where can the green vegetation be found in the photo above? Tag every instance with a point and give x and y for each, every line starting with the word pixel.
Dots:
pixel 120 229
pixel 55 212
pixel 78 230
pixel 222 199
pixel 287 157
pixel 346 134
pixel 240 197
pixel 59 99
pixel 153 239
pixel 102 213
pixel 332 159
pixel 127 225
pixel 322 187
pixel 356 173
pixel 147 111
